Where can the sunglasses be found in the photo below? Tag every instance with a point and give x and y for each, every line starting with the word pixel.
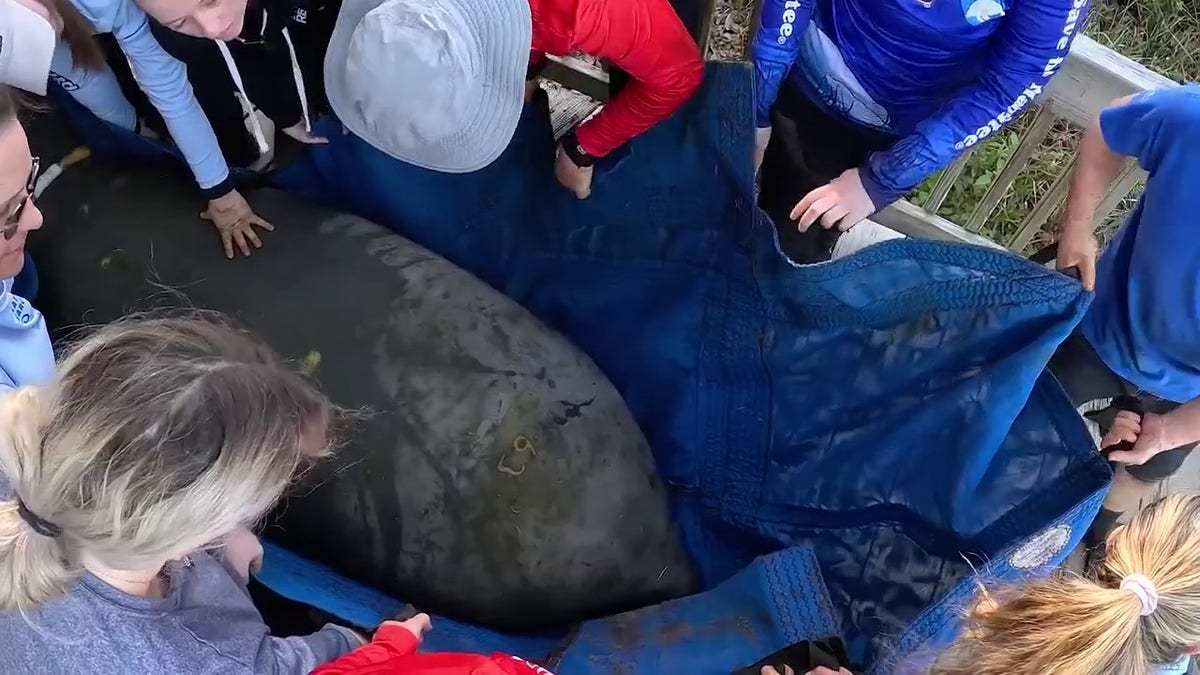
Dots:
pixel 13 222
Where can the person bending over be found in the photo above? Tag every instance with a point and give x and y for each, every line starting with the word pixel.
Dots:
pixel 442 84
pixel 30 34
pixel 1141 336
pixel 868 99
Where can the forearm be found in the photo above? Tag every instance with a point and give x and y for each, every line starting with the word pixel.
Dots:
pixel 1181 426
pixel 1096 169
pixel 98 90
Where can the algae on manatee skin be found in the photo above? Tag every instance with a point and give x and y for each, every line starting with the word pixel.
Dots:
pixel 310 363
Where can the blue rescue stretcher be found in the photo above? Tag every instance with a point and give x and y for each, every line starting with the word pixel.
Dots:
pixel 850 446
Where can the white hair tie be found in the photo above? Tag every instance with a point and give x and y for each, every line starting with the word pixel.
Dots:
pixel 1144 589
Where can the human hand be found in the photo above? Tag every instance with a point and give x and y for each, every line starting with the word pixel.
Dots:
pixel 577 179
pixel 843 203
pixel 1147 433
pixel 243 552
pixel 1077 248
pixel 298 132
pixel 235 221
pixel 416 625
pixel 762 137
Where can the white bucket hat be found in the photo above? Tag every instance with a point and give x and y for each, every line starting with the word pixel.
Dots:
pixel 435 83
pixel 26 46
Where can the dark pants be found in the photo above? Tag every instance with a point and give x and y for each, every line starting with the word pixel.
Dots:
pixel 1086 378
pixel 809 148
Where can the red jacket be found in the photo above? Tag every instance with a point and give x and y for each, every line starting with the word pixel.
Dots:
pixel 394 652
pixel 644 38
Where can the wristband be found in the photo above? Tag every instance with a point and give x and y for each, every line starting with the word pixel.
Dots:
pixel 579 156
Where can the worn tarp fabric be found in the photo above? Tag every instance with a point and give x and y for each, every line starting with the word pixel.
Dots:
pixel 775 601
pixel 888 410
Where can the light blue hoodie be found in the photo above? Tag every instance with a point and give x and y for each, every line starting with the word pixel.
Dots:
pixel 25 354
pixel 161 77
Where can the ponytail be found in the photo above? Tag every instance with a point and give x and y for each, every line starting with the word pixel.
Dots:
pixel 33 566
pixel 1141 611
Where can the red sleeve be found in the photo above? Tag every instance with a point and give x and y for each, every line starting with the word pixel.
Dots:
pixel 512 665
pixel 646 39
pixel 390 643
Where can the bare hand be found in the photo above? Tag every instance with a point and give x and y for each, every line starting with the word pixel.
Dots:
pixel 299 133
pixel 576 179
pixel 1148 433
pixel 243 552
pixel 1078 248
pixel 843 203
pixel 235 221
pixel 416 625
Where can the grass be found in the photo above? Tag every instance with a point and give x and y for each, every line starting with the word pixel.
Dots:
pixel 1160 34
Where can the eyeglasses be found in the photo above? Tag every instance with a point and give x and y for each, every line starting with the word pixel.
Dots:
pixel 13 222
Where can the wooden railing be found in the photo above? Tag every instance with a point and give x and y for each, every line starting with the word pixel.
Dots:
pixel 1091 78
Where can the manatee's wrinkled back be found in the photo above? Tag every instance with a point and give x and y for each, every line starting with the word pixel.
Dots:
pixel 495 474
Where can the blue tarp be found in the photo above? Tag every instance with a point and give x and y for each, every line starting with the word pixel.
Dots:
pixel 886 414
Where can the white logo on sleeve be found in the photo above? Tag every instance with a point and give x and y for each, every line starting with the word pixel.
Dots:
pixel 982 11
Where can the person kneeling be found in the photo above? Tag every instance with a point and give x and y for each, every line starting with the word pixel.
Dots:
pixel 442 85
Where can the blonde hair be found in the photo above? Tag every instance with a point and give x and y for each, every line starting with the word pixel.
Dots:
pixel 159 434
pixel 1069 625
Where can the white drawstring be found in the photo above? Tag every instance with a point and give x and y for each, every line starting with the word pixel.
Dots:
pixel 259 137
pixel 298 77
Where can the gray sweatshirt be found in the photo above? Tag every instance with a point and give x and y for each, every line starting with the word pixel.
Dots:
pixel 207 624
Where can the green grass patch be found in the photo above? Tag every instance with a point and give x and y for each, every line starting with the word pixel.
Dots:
pixel 1163 35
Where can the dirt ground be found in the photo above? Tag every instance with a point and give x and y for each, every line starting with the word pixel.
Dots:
pixel 730 29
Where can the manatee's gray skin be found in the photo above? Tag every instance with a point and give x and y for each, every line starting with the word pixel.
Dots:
pixel 496 477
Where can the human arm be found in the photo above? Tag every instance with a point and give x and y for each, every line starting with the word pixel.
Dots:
pixel 1160 128
pixel 1095 170
pixel 164 80
pixel 1028 50
pixel 304 653
pixel 1152 434
pixel 393 640
pixel 775 48
pixel 97 90
pixel 646 39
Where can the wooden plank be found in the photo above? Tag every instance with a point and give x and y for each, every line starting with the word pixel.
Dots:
pixel 568 108
pixel 913 221
pixel 704 30
pixel 1120 189
pixel 1045 208
pixel 946 181
pixel 1093 76
pixel 1030 142
pixel 579 75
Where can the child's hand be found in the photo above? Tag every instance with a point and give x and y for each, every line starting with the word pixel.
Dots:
pixel 819 670
pixel 1147 433
pixel 416 625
